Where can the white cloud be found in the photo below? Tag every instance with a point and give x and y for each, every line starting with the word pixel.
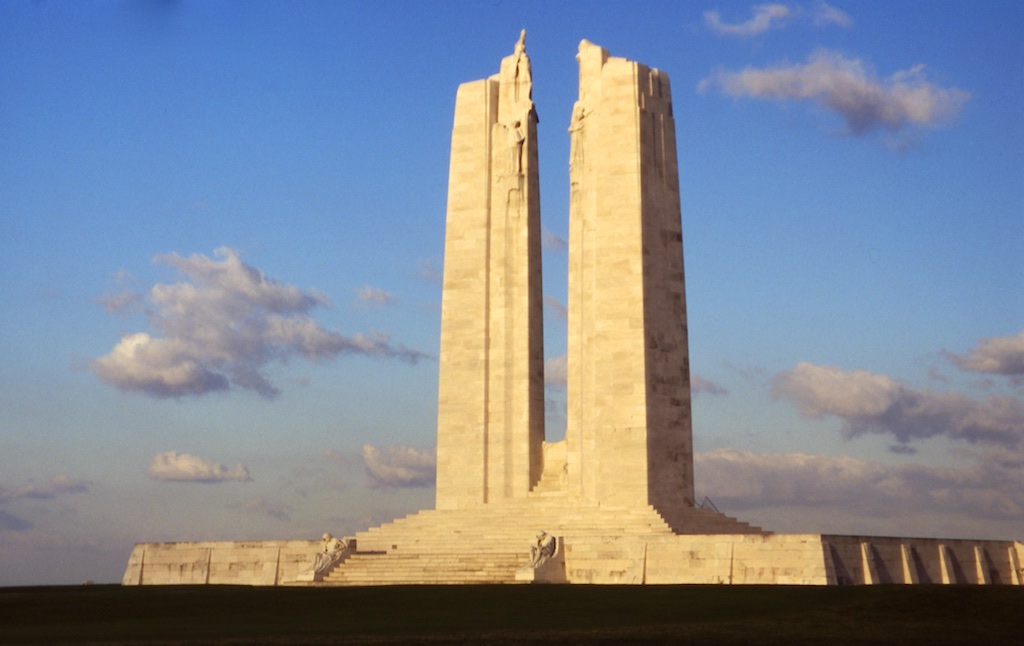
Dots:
pixel 556 307
pixel 374 296
pixel 399 466
pixel 766 16
pixel 992 487
pixel 555 372
pixel 222 327
pixel 870 403
pixel 162 367
pixel 846 87
pixel 999 355
pixel 183 467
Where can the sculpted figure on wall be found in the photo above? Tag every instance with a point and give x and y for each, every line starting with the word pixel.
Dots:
pixel 576 150
pixel 523 75
pixel 515 148
pixel 542 549
pixel 331 549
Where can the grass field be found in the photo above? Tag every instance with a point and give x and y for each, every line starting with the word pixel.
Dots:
pixel 512 614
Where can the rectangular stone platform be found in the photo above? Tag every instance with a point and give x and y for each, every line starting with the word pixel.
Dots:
pixel 665 559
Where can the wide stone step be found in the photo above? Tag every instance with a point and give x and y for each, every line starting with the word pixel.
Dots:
pixel 511 528
pixel 425 568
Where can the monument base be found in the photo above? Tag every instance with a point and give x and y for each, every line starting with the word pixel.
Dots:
pixel 596 545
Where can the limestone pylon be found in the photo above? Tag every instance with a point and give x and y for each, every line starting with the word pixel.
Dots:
pixel 491 377
pixel 628 435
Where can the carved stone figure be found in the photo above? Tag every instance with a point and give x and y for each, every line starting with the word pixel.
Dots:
pixel 523 74
pixel 330 551
pixel 542 549
pixel 515 148
pixel 576 136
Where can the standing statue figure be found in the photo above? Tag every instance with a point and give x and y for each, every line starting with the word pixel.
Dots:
pixel 520 48
pixel 542 549
pixel 516 138
pixel 576 136
pixel 577 159
pixel 523 74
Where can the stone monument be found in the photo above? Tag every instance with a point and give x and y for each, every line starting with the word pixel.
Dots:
pixel 613 502
pixel 628 437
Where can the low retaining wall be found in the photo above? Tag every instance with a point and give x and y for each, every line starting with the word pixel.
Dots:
pixel 792 559
pixel 219 563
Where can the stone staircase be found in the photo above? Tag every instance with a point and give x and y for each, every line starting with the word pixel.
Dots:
pixel 376 568
pixel 551 484
pixel 694 520
pixel 488 543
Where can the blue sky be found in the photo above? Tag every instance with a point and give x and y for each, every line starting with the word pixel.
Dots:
pixel 221 236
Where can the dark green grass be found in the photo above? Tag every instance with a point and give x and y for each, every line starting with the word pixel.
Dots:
pixel 512 614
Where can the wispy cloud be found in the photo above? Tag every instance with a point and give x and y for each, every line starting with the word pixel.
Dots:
pixel 845 86
pixel 430 271
pixel 746 480
pixel 1002 355
pixel 700 385
pixel 121 301
pixel 399 466
pixel 56 486
pixel 872 403
pixel 11 523
pixel 344 459
pixel 986 483
pixel 375 296
pixel 552 241
pixel 824 15
pixel 765 17
pixel 182 467
pixel 556 372
pixel 124 297
pixel 222 327
pixel 556 307
pixel 263 507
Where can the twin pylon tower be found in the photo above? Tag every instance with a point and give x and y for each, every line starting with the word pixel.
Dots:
pixel 628 438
